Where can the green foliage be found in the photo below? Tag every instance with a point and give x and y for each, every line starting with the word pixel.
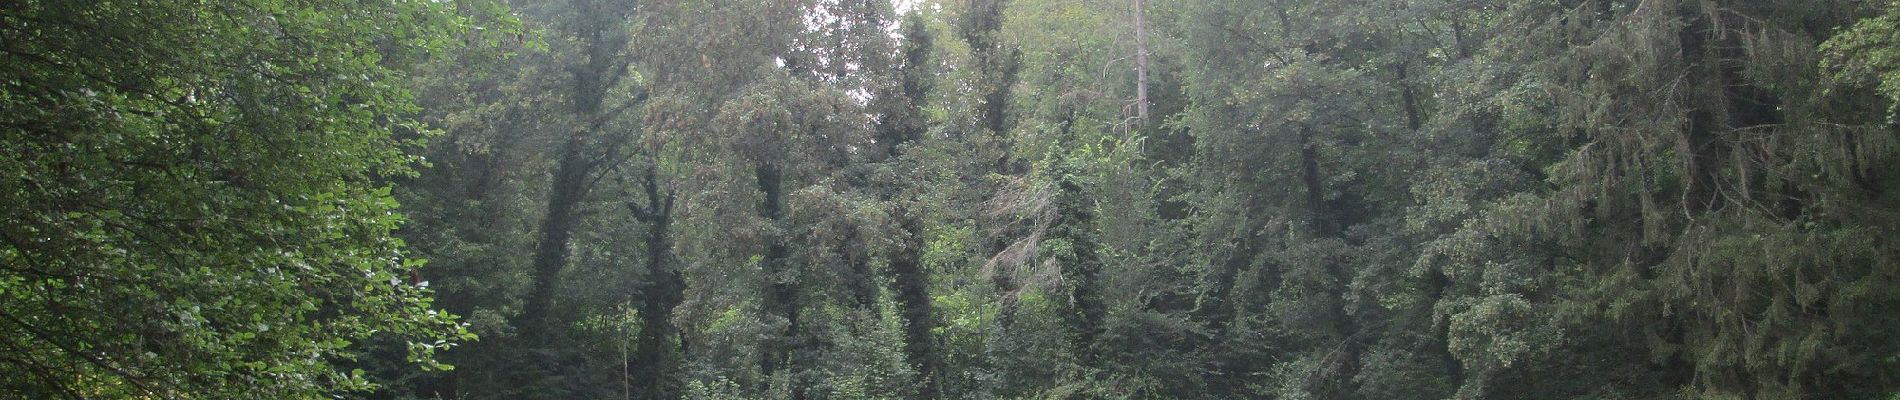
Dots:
pixel 196 201
pixel 1427 199
pixel 1864 53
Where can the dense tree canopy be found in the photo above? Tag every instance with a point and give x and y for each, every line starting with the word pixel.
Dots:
pixel 846 199
pixel 196 201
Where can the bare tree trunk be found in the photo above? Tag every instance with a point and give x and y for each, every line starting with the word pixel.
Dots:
pixel 1141 64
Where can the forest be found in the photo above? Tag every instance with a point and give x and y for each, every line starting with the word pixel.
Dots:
pixel 950 199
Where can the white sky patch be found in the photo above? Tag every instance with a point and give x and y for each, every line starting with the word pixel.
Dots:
pixel 904 6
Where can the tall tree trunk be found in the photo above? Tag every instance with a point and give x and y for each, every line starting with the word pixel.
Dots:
pixel 861 283
pixel 580 158
pixel 557 229
pixel 1141 64
pixel 781 296
pixel 1081 270
pixel 657 368
pixel 1219 311
pixel 997 69
pixel 910 283
pixel 1323 224
pixel 1413 118
pixel 997 66
pixel 911 286
pixel 1319 217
